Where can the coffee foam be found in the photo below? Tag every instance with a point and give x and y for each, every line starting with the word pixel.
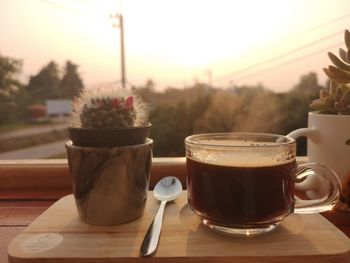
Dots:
pixel 236 143
pixel 242 159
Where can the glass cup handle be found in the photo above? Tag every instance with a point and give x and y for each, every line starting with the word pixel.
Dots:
pixel 322 204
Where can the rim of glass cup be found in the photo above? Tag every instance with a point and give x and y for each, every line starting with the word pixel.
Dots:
pixel 284 140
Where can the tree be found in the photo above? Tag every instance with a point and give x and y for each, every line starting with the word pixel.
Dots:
pixel 162 123
pixel 219 115
pixel 147 92
pixel 9 87
pixel 307 88
pixel 294 107
pixel 46 84
pixel 172 123
pixel 259 112
pixel 195 110
pixel 71 84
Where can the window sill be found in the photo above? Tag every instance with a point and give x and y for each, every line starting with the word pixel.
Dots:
pixel 50 179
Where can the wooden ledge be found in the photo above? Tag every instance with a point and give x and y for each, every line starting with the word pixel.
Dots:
pixel 50 179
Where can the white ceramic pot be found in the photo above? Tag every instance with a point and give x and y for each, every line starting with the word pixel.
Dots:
pixel 327 143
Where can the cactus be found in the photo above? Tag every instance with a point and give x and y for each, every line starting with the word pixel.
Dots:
pixel 336 100
pixel 107 108
pixel 108 113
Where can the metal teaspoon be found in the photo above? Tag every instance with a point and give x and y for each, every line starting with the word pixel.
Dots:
pixel 167 189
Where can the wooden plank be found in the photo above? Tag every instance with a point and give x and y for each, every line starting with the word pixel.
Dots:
pixel 6 235
pixel 23 212
pixel 51 179
pixel 14 217
pixel 34 193
pixel 18 213
pixel 161 167
pixel 300 238
pixel 22 174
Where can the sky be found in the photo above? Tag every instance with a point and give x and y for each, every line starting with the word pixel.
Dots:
pixel 177 42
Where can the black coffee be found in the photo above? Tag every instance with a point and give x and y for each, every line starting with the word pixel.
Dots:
pixel 240 195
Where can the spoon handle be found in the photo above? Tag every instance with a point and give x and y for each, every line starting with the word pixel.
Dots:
pixel 150 242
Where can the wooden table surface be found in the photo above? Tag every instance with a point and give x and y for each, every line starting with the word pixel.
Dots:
pixel 22 202
pixel 302 237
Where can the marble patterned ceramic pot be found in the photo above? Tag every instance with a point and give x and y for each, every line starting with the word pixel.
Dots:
pixel 110 184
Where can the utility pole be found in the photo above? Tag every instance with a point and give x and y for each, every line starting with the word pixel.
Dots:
pixel 122 51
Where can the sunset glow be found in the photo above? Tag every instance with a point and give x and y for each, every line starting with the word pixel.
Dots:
pixel 198 33
pixel 172 42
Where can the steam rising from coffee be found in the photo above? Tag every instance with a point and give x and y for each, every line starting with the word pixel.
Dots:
pixel 255 110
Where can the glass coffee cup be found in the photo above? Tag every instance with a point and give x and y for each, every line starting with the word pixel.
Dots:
pixel 243 183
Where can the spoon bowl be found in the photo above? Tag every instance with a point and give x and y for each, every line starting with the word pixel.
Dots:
pixel 168 189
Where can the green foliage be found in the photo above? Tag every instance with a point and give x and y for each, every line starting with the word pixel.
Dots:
pixel 23 100
pixel 171 125
pixel 9 69
pixel 172 96
pixel 219 114
pixel 10 88
pixel 294 108
pixel 166 141
pixel 174 113
pixel 71 84
pixel 249 109
pixel 46 84
pixel 294 104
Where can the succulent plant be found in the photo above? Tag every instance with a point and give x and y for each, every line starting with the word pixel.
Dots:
pixel 107 108
pixel 336 100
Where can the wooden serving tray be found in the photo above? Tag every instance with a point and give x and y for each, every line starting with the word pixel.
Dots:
pixel 59 236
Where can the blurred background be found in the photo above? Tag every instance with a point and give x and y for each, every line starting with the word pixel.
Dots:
pixel 203 66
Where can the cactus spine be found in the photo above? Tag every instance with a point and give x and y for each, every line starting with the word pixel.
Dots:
pixel 106 108
pixel 108 113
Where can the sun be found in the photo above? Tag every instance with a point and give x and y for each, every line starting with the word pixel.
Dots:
pixel 199 33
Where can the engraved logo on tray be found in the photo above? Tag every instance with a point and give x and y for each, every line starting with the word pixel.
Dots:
pixel 41 242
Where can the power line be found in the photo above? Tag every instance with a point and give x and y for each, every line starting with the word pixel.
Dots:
pixel 278 57
pixel 69 9
pixel 289 62
pixel 90 10
pixel 331 21
pixel 326 23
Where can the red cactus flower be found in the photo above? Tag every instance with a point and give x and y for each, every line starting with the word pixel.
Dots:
pixel 129 102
